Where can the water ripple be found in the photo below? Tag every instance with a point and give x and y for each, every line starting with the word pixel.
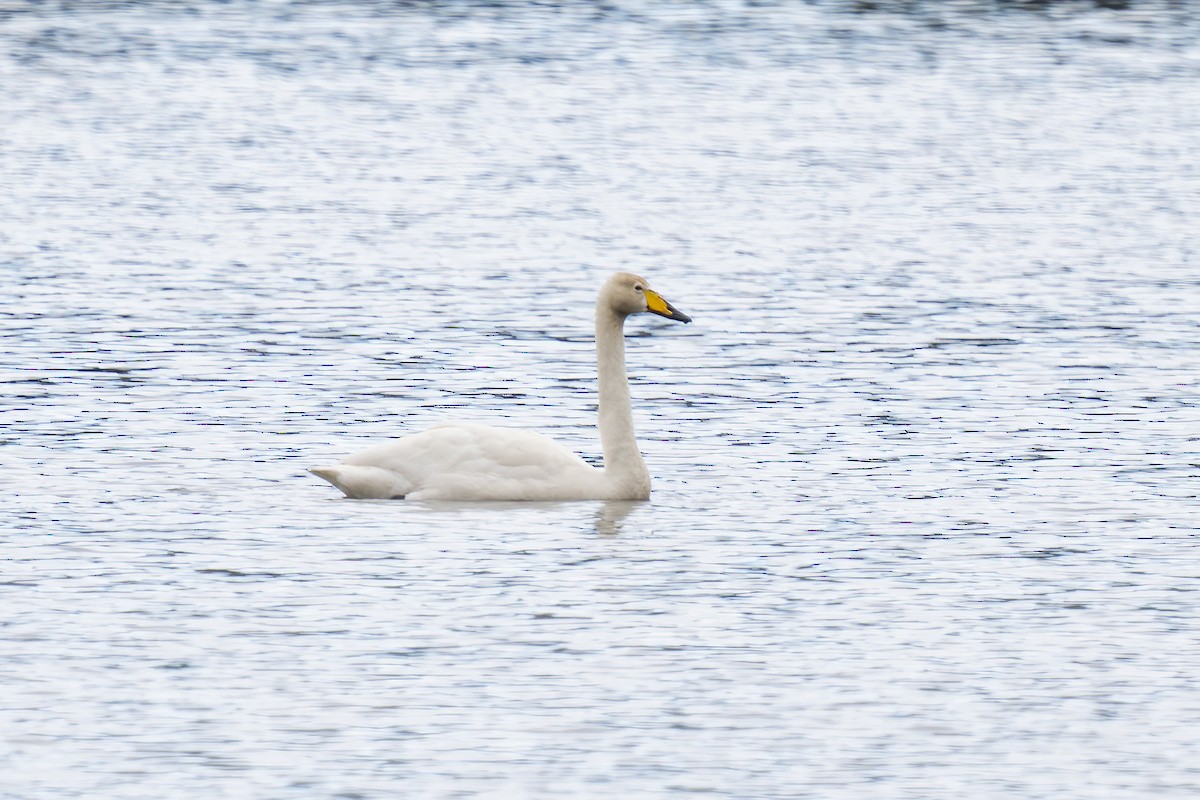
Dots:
pixel 926 464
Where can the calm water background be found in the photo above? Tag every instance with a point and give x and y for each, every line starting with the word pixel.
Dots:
pixel 925 520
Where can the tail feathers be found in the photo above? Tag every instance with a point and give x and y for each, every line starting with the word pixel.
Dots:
pixel 365 483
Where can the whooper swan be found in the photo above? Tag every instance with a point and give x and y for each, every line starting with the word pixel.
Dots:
pixel 467 461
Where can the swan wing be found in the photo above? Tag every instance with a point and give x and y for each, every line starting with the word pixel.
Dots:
pixel 465 461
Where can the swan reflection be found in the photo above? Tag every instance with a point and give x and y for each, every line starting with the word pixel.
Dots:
pixel 611 514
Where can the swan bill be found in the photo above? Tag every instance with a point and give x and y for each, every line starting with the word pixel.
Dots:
pixel 655 304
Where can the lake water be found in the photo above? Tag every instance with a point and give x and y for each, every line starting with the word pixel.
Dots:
pixel 925 516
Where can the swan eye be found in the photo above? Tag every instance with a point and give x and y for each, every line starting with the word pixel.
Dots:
pixel 639 288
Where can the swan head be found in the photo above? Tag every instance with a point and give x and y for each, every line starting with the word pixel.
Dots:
pixel 626 293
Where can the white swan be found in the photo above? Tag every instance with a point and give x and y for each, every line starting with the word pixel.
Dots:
pixel 458 461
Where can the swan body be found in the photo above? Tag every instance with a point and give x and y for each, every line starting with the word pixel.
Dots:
pixel 470 461
pixel 458 461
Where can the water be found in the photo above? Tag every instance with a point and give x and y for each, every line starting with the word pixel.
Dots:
pixel 926 463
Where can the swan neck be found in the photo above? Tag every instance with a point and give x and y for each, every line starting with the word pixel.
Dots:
pixel 623 464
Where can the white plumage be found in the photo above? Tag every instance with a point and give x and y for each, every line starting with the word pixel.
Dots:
pixel 469 461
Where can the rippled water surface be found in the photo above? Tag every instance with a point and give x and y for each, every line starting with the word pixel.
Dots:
pixel 926 464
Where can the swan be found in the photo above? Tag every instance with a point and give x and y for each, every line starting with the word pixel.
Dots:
pixel 469 461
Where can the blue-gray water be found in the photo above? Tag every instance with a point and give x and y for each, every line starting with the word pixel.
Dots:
pixel 925 521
